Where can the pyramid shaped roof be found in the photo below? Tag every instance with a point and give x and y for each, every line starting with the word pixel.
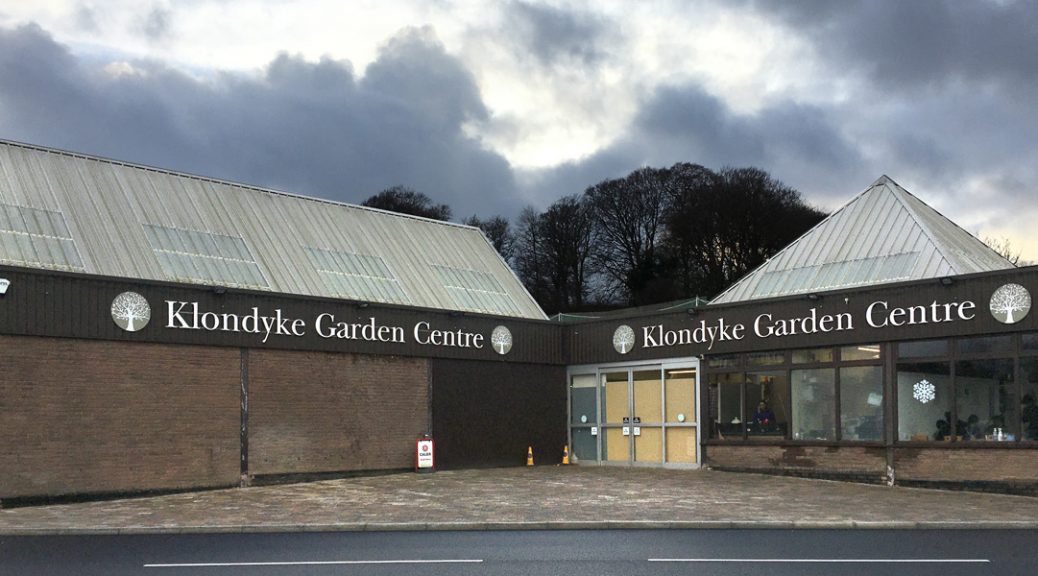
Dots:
pixel 882 235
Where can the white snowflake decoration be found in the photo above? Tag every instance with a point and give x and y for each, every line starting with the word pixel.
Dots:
pixel 924 391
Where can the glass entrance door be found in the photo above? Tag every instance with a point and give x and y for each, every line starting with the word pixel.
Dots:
pixel 616 416
pixel 646 415
pixel 632 408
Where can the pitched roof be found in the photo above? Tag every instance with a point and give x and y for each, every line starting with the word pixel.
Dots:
pixel 882 235
pixel 72 212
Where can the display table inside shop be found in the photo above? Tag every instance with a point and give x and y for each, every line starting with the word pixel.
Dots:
pixel 776 429
pixel 730 431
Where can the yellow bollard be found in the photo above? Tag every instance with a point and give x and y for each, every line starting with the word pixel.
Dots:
pixel 529 456
pixel 565 455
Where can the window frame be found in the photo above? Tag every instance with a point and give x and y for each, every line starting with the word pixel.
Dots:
pixel 741 364
pixel 1014 353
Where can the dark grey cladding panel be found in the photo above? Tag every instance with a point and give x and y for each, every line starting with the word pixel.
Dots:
pixel 59 304
pixel 488 414
pixel 835 318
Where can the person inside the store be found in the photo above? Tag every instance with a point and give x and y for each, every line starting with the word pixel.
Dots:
pixel 764 416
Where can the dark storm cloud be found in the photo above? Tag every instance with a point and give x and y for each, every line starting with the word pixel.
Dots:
pixel 797 144
pixel 554 35
pixel 309 128
pixel 922 42
pixel 938 95
pixel 946 104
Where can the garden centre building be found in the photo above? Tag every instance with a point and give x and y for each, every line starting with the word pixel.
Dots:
pixel 161 331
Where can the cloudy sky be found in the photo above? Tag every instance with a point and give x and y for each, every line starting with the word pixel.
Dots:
pixel 491 106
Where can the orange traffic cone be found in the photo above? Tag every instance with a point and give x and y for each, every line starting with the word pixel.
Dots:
pixel 565 455
pixel 529 456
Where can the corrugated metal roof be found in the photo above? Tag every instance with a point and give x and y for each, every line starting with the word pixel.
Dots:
pixel 67 211
pixel 882 235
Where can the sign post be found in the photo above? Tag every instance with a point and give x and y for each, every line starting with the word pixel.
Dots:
pixel 423 454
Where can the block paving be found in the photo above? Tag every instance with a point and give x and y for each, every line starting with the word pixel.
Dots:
pixel 545 497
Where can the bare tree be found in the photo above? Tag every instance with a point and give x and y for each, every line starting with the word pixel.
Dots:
pixel 1008 300
pixel 1003 248
pixel 407 201
pixel 498 231
pixel 129 308
pixel 531 260
pixel 552 250
pixel 723 225
pixel 629 215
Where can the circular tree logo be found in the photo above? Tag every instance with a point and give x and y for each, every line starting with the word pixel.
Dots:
pixel 623 339
pixel 131 311
pixel 1010 303
pixel 501 340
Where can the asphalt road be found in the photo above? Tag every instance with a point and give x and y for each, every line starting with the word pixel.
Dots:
pixel 572 553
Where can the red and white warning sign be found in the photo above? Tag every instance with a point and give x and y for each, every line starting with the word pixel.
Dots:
pixel 423 454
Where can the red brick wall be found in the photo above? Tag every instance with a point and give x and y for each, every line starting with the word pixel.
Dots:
pixel 321 412
pixel 812 460
pixel 82 416
pixel 992 465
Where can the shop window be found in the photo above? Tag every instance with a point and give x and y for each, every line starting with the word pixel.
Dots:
pixel 985 345
pixel 922 349
pixel 986 407
pixel 727 361
pixel 584 445
pixel 861 403
pixel 859 352
pixel 725 391
pixel 800 402
pixel 767 414
pixel 1029 398
pixel 924 401
pixel 813 356
pixel 765 358
pixel 680 395
pixel 582 400
pixel 1029 342
pixel 814 404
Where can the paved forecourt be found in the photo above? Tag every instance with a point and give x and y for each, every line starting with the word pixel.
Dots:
pixel 541 497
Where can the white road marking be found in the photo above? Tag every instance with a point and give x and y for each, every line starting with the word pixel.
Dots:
pixel 834 560
pixel 310 563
